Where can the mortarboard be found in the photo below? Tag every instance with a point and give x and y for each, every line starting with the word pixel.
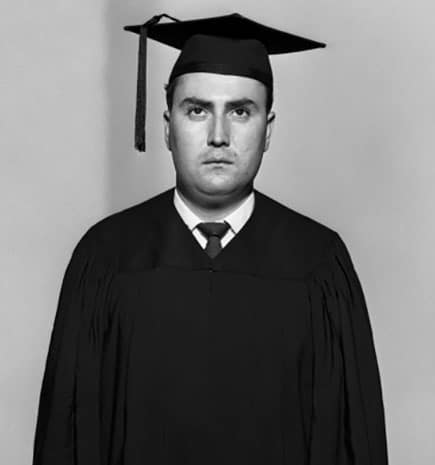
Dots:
pixel 230 44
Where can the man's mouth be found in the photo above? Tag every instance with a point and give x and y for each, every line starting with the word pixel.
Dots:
pixel 218 161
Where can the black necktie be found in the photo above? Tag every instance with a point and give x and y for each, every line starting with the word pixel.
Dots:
pixel 214 232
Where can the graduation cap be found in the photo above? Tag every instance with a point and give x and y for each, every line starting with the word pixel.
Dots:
pixel 230 44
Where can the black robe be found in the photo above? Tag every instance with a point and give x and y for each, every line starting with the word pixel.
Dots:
pixel 161 356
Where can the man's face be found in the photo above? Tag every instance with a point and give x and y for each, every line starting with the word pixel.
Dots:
pixel 217 131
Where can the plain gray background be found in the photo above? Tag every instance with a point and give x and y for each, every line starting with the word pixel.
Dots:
pixel 353 147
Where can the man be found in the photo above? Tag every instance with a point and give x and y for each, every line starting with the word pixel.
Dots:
pixel 211 324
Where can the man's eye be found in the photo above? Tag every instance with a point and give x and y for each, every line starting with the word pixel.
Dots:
pixel 241 112
pixel 195 111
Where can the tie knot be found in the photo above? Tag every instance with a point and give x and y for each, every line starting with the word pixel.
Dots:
pixel 214 229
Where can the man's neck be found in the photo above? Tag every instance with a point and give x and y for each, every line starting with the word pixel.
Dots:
pixel 213 211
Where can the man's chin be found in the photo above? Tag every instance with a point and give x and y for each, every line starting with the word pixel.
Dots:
pixel 218 193
pixel 218 189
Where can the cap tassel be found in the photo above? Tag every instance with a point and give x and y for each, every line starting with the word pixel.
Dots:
pixel 141 100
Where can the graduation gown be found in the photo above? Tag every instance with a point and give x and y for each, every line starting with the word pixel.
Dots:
pixel 161 356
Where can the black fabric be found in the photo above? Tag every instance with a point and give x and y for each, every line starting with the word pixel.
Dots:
pixel 222 55
pixel 160 355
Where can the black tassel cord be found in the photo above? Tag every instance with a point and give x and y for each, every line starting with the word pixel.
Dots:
pixel 141 98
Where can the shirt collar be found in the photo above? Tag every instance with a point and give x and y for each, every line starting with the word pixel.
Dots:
pixel 235 219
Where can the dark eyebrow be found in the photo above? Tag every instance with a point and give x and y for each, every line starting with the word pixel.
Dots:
pixel 242 102
pixel 196 101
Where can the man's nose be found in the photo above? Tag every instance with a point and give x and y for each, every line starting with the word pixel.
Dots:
pixel 218 134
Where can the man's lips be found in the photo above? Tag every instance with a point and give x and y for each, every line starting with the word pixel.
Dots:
pixel 218 159
pixel 218 162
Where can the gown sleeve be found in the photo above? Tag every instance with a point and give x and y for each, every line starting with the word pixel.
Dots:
pixel 348 426
pixel 67 429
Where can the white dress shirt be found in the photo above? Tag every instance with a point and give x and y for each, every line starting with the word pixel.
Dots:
pixel 236 219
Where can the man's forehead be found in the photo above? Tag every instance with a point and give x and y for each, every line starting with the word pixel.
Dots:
pixel 207 85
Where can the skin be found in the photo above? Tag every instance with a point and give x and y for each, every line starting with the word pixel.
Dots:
pixel 217 131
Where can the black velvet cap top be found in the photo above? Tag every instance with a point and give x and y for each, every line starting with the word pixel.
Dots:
pixel 230 44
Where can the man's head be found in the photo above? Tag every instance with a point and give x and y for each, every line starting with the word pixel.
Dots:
pixel 219 120
pixel 230 45
pixel 217 127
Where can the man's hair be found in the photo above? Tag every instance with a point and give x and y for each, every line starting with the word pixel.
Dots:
pixel 170 88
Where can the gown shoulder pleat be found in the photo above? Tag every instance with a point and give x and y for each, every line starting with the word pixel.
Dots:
pixel 348 415
pixel 67 430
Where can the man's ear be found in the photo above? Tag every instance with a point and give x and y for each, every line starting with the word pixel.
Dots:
pixel 167 119
pixel 270 120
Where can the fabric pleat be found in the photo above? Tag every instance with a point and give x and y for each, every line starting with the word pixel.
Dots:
pixel 345 368
pixel 67 430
